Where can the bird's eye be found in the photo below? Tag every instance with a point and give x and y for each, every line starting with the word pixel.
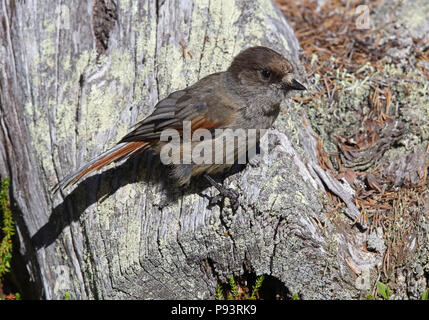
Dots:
pixel 265 74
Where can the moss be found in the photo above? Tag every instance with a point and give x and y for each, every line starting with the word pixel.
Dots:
pixel 7 227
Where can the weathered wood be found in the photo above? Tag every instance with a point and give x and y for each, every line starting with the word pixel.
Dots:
pixel 71 86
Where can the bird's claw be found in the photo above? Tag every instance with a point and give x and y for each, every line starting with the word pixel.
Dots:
pixel 231 194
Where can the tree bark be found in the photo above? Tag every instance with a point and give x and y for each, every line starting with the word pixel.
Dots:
pixel 75 77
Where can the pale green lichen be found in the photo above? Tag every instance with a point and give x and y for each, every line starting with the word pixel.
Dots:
pixel 48 51
pixel 340 117
pixel 123 67
pixel 47 46
pixel 124 5
pixel 40 128
pixel 101 106
pixel 85 60
pixel 415 14
pixel 145 51
pixel 40 132
pixel 300 198
pixel 65 122
pixel 171 70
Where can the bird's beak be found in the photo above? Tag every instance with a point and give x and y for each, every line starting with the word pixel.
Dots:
pixel 294 85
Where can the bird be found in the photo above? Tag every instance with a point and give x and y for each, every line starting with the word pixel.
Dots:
pixel 245 96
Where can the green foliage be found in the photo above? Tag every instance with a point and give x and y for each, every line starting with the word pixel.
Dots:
pixel 370 297
pixel 8 229
pixel 383 290
pixel 425 295
pixel 236 292
pixel 219 292
pixel 66 296
pixel 295 296
pixel 256 287
pixel 11 296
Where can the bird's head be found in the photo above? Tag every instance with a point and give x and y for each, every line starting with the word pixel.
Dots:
pixel 262 70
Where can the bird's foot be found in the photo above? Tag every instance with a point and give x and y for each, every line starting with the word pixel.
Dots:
pixel 231 194
pixel 224 192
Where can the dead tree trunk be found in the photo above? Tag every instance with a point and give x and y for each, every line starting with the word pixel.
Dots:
pixel 75 76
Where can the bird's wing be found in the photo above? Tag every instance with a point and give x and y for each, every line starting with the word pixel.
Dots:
pixel 201 105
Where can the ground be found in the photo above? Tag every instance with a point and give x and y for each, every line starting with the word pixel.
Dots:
pixel 368 103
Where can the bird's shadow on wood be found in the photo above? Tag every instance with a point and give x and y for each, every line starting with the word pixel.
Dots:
pixel 145 168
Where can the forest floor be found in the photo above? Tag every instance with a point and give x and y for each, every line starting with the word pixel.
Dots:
pixel 368 103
